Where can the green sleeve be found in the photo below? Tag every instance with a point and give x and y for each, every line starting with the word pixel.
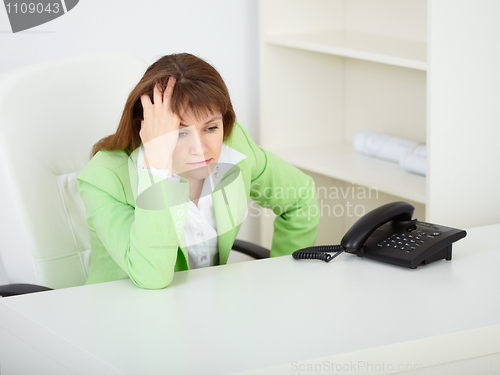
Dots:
pixel 291 194
pixel 143 241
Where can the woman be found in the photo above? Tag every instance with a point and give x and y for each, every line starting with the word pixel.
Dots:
pixel 169 190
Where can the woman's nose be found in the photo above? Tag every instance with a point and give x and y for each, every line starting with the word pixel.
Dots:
pixel 196 146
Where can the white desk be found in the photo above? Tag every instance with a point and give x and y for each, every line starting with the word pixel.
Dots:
pixel 270 316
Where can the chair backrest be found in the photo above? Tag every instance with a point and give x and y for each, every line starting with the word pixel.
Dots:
pixel 50 116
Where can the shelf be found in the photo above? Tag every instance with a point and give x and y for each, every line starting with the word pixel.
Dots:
pixel 387 50
pixel 341 162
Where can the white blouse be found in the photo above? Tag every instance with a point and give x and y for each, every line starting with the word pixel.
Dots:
pixel 200 229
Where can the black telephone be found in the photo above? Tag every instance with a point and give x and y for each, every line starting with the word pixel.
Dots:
pixel 388 234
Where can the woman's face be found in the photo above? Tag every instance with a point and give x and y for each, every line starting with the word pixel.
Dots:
pixel 199 145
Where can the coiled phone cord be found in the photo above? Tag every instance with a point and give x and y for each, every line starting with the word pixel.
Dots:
pixel 319 252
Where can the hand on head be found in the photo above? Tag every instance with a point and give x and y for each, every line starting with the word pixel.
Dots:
pixel 159 128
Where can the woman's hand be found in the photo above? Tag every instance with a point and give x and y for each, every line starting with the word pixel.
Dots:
pixel 160 128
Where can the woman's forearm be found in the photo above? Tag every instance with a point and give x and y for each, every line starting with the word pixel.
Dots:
pixel 142 241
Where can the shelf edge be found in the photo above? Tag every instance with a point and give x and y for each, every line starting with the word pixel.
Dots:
pixel 347 52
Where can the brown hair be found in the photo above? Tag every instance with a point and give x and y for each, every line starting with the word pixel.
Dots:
pixel 198 85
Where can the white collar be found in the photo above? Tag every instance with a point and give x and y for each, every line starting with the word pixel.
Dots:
pixel 229 155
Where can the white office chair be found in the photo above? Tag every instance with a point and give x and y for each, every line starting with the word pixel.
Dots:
pixel 50 116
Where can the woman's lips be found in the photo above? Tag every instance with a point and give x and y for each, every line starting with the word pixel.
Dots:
pixel 201 163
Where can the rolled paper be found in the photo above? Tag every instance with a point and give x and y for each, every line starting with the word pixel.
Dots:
pixel 414 163
pixel 383 146
pixel 420 150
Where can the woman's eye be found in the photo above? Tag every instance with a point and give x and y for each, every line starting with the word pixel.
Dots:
pixel 210 130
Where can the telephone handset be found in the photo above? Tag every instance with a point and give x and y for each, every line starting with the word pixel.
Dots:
pixel 388 234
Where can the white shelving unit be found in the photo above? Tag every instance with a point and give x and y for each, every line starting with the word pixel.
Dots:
pixel 381 49
pixel 331 68
pixel 388 177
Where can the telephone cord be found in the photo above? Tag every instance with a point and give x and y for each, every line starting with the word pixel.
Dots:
pixel 319 252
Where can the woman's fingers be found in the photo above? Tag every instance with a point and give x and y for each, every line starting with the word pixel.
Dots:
pixel 158 117
pixel 157 94
pixel 158 100
pixel 146 103
pixel 167 94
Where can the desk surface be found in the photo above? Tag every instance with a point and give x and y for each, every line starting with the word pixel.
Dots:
pixel 273 316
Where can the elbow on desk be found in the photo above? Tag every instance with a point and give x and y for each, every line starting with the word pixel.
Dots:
pixel 151 267
pixel 153 280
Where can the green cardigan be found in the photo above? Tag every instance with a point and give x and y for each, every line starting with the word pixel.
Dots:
pixel 137 231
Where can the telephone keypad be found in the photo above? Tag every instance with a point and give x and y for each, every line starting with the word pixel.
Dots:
pixel 407 242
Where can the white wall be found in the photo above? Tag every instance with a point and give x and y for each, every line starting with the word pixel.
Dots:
pixel 223 32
